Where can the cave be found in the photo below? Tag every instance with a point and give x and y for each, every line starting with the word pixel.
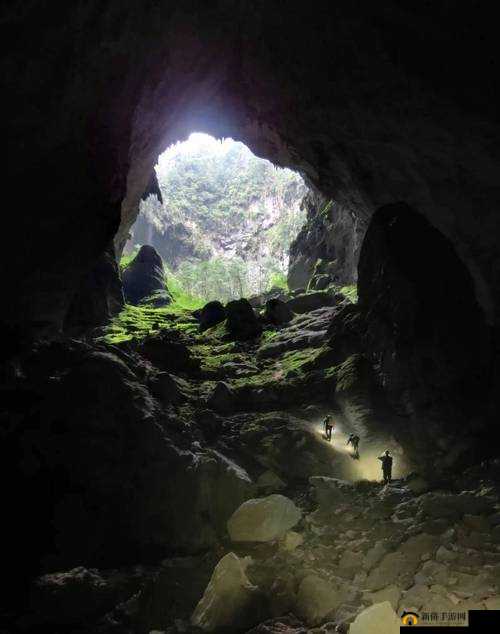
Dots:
pixel 152 452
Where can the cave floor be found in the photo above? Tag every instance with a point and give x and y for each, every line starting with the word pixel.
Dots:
pixel 421 545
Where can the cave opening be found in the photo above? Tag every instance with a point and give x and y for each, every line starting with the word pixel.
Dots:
pixel 222 220
pixel 173 463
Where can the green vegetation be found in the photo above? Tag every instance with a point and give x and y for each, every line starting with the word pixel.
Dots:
pixel 219 185
pixel 127 258
pixel 137 322
pixel 212 357
pixel 278 280
pixel 351 292
pixel 227 221
pixel 326 209
pixel 182 295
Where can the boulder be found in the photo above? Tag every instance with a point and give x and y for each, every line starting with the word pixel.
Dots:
pixel 282 596
pixel 230 600
pixel 395 568
pixel 292 540
pixel 452 506
pixel 242 322
pixel 143 276
pixel 270 481
pixel 168 388
pixel 204 491
pixel 331 492
pixel 167 351
pixel 374 555
pixel 379 618
pixel 310 301
pixel 263 519
pixel 390 593
pixel 210 315
pixel 278 312
pixel 258 301
pixel 317 598
pixel 320 282
pixel 222 399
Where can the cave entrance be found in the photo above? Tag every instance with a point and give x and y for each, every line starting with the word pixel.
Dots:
pixel 223 223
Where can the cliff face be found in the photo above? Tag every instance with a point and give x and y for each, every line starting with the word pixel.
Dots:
pixel 327 248
pixel 220 201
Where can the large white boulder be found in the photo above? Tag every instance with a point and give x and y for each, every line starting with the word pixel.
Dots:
pixel 379 618
pixel 263 519
pixel 230 599
pixel 317 598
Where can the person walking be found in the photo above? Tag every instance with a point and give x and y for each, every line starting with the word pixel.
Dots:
pixel 354 441
pixel 328 426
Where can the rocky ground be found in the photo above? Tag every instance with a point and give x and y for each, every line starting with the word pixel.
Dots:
pixel 235 512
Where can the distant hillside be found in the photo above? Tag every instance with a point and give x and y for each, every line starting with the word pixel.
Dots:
pixel 222 203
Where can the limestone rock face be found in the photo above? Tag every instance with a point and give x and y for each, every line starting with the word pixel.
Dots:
pixel 207 489
pixel 379 618
pixel 144 276
pixel 414 333
pixel 102 430
pixel 229 600
pixel 263 519
pixel 98 298
pixel 327 248
pixel 241 320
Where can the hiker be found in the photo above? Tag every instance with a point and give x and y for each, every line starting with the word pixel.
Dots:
pixel 386 460
pixel 354 441
pixel 328 425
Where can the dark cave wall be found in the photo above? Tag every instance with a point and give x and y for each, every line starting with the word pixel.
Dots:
pixel 426 335
pixel 328 243
pixel 373 104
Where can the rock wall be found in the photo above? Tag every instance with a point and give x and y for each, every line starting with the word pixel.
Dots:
pixel 426 335
pixel 328 244
pixel 373 106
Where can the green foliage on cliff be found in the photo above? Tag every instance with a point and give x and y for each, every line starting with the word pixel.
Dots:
pixel 351 292
pixel 227 220
pixel 219 185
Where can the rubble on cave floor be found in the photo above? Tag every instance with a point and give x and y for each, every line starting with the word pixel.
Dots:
pixel 247 426
pixel 351 546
